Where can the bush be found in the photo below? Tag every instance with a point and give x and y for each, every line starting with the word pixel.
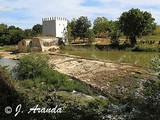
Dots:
pixel 31 66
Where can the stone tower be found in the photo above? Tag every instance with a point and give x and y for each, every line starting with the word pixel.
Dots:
pixel 54 26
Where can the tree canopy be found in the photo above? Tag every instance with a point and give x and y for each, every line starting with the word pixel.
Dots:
pixel 82 26
pixel 136 23
pixel 11 35
pixel 79 27
pixel 72 26
pixel 100 26
pixel 37 29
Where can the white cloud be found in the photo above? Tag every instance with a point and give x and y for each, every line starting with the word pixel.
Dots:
pixel 5 9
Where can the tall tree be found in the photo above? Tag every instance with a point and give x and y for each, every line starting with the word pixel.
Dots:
pixel 136 23
pixel 16 37
pixel 11 35
pixel 114 32
pixel 100 26
pixel 72 26
pixel 90 35
pixel 82 25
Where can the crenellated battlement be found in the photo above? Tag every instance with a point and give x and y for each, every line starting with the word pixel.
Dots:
pixel 54 26
pixel 54 18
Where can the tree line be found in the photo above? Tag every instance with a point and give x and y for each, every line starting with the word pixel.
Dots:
pixel 11 35
pixel 133 24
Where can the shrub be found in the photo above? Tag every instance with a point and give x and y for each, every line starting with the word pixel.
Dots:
pixel 31 66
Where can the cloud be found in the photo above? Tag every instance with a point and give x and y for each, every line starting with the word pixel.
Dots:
pixel 6 9
pixel 26 13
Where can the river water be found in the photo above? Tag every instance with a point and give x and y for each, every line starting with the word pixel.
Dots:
pixel 138 58
pixel 9 64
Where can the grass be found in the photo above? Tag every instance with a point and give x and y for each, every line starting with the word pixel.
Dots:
pixel 55 81
pixel 8 48
pixel 145 48
pixel 115 79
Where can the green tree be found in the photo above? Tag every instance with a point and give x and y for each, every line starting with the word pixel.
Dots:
pixel 16 37
pixel 5 36
pixel 90 35
pixel 72 26
pixel 15 34
pixel 69 35
pixel 82 25
pixel 135 23
pixel 10 35
pixel 27 34
pixel 2 27
pixel 37 30
pixel 114 32
pixel 100 26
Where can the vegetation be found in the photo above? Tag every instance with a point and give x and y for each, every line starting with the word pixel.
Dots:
pixel 90 35
pixel 45 89
pixel 101 26
pixel 79 27
pixel 133 24
pixel 46 92
pixel 34 68
pixel 9 96
pixel 37 83
pixel 11 35
pixel 31 66
pixel 114 33
pixel 136 23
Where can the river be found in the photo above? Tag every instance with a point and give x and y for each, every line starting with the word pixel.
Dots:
pixel 9 64
pixel 138 58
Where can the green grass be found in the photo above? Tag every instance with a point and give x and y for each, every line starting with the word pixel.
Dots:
pixel 8 48
pixel 115 79
pixel 55 81
pixel 145 48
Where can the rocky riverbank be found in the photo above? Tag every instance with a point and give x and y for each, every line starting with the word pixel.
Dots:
pixel 110 78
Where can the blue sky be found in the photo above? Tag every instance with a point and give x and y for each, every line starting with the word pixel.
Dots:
pixel 26 13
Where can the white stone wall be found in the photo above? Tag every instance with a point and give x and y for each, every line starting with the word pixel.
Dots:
pixel 54 26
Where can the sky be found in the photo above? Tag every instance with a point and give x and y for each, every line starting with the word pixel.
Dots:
pixel 26 13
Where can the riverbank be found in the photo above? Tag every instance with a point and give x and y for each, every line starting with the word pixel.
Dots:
pixel 122 88
pixel 10 55
pixel 102 75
